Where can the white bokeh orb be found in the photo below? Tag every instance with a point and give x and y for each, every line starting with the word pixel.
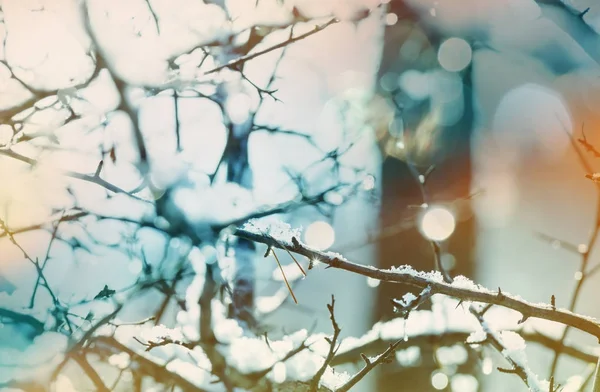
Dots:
pixel 437 223
pixel 439 380
pixel 319 235
pixel 455 54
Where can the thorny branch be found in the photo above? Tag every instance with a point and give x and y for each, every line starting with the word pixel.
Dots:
pixel 407 275
pixel 234 64
pixel 450 338
pixel 94 179
pixel 370 363
pixel 518 367
pixel 147 366
pixel 592 241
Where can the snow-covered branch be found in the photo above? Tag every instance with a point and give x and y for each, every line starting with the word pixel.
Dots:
pixel 461 288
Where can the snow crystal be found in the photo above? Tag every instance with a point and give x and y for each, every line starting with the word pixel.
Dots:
pixel 277 229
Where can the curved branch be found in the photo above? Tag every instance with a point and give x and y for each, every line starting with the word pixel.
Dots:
pixel 460 290
pixel 94 179
pixel 147 366
pixel 234 64
pixel 36 324
pixel 451 338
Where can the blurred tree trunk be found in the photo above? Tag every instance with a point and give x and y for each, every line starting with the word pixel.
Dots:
pixel 409 46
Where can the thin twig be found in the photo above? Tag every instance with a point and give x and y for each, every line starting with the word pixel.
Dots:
pixel 284 277
pixel 146 366
pixel 585 256
pixel 94 179
pixel 370 364
pixel 450 338
pixel 239 61
pixel 333 347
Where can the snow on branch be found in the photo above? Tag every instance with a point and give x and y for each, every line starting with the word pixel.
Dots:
pixel 462 289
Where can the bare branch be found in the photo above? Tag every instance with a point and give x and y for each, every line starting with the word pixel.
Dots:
pixel 234 64
pixel 592 241
pixel 94 179
pixel 146 366
pixel 450 338
pixel 36 324
pixel 91 373
pixel 124 104
pixel 421 280
pixel 370 364
pixel 314 384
